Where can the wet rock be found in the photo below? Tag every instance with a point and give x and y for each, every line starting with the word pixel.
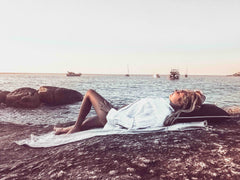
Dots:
pixel 23 98
pixel 113 172
pixel 58 96
pixel 130 169
pixel 3 95
pixel 232 110
pixel 211 153
pixel 2 105
pixel 61 174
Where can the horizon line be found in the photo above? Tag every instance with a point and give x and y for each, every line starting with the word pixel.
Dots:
pixel 134 74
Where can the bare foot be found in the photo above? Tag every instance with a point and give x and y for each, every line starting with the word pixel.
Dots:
pixel 62 130
pixel 74 129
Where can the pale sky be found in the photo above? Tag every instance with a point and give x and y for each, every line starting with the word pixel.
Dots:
pixel 106 36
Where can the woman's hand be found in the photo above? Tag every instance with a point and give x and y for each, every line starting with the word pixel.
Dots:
pixel 105 106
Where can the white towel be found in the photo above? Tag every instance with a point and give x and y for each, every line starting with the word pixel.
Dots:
pixel 50 139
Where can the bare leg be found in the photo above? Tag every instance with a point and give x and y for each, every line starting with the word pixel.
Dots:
pixel 89 123
pixel 101 106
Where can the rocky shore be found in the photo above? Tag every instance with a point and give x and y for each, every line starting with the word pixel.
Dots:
pixel 27 97
pixel 200 154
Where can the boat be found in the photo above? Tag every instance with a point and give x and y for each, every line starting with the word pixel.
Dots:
pixel 127 75
pixel 236 74
pixel 174 74
pixel 73 74
pixel 186 75
pixel 156 75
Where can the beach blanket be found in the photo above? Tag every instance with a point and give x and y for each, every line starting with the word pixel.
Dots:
pixel 50 139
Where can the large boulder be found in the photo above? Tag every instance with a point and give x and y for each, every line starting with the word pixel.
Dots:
pixel 23 97
pixel 211 153
pixel 3 95
pixel 58 96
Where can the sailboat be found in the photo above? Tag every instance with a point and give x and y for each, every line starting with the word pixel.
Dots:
pixel 127 75
pixel 156 75
pixel 186 75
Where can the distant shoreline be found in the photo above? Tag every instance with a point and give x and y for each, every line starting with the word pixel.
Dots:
pixel 114 74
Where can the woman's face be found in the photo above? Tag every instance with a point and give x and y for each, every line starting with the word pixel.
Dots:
pixel 176 98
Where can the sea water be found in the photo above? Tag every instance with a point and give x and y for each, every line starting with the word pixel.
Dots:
pixel 224 91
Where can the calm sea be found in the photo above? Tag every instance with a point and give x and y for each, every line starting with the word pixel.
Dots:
pixel 118 89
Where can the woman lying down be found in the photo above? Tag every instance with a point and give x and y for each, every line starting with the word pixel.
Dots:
pixel 145 113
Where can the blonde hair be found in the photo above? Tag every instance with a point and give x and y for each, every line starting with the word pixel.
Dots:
pixel 192 100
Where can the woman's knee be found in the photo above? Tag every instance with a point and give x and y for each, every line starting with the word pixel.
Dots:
pixel 90 92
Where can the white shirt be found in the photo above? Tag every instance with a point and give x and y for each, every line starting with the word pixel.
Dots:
pixel 144 113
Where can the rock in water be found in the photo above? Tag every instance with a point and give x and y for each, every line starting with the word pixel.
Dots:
pixel 58 96
pixel 3 95
pixel 23 98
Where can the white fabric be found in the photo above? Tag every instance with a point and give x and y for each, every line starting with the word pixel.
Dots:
pixel 50 139
pixel 145 113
